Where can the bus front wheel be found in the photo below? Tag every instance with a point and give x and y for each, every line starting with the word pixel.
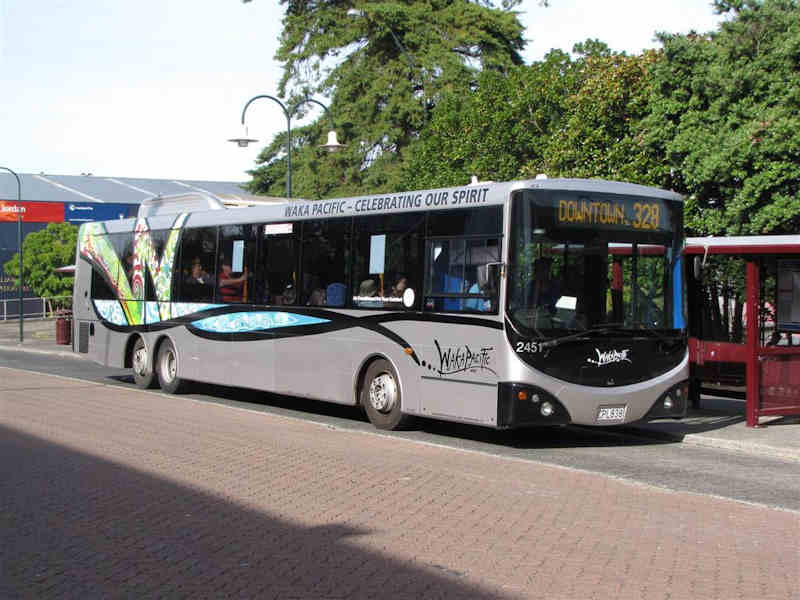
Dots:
pixel 142 371
pixel 380 396
pixel 167 369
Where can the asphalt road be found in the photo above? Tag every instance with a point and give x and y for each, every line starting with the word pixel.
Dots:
pixel 615 453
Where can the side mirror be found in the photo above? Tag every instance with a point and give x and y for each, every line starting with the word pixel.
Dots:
pixel 698 268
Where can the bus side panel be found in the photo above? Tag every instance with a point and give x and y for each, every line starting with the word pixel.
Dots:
pixel 460 367
pixel 236 363
pixel 316 366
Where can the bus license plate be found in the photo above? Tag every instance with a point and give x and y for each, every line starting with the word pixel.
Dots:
pixel 612 414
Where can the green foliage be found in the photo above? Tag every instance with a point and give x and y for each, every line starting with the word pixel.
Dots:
pixel 43 252
pixel 563 117
pixel 725 113
pixel 497 130
pixel 385 65
pixel 598 135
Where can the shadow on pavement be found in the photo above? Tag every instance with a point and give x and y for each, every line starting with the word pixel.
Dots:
pixel 78 526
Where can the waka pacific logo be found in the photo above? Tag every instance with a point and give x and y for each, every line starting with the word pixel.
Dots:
pixel 610 357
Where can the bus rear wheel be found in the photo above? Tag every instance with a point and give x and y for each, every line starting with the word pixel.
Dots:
pixel 142 372
pixel 380 396
pixel 167 369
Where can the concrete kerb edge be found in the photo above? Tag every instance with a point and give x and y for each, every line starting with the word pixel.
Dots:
pixel 59 353
pixel 694 439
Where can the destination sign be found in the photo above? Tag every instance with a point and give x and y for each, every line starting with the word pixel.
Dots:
pixel 644 214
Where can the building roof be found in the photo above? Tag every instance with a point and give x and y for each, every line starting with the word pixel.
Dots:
pixel 122 190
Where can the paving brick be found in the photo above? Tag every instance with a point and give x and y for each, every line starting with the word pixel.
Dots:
pixel 115 493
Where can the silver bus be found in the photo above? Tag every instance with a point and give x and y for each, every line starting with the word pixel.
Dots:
pixel 540 302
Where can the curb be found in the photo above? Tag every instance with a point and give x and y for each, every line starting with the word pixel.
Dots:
pixel 693 439
pixel 59 353
pixel 745 447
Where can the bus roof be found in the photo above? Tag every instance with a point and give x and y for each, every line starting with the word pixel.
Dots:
pixel 472 195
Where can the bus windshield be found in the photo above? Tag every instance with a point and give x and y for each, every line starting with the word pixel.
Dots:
pixel 568 275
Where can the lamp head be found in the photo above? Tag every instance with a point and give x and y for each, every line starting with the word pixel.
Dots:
pixel 242 142
pixel 333 143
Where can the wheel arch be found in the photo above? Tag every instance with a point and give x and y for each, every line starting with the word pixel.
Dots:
pixel 129 344
pixel 362 371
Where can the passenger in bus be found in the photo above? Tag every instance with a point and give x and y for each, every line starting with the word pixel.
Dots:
pixel 399 288
pixel 368 289
pixel 546 290
pixel 231 289
pixel 289 295
pixel 199 285
pixel 478 304
pixel 317 297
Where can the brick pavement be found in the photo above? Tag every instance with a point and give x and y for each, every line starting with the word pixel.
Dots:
pixel 109 492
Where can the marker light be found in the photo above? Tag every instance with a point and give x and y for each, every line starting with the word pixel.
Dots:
pixel 522 395
pixel 547 409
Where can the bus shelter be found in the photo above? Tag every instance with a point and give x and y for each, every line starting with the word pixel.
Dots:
pixel 743 298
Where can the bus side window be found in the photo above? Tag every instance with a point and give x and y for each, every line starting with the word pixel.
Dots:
pixel 326 248
pixel 461 246
pixel 236 272
pixel 196 276
pixel 278 263
pixel 100 288
pixel 388 258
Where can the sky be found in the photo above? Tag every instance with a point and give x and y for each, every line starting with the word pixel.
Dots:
pixel 154 88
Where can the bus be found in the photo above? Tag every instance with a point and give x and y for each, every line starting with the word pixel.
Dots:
pixel 524 303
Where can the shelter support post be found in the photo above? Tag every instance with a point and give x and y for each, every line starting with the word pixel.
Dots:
pixel 753 370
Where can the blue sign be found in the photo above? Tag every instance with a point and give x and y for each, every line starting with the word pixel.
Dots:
pixel 96 211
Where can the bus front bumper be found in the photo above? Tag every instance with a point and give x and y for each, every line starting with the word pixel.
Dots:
pixel 525 405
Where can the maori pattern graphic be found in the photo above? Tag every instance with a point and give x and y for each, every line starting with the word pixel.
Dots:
pixel 94 245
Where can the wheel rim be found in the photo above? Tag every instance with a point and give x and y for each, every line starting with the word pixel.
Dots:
pixel 140 360
pixel 169 365
pixel 383 393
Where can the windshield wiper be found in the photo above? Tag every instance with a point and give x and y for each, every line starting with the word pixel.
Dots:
pixel 654 332
pixel 581 335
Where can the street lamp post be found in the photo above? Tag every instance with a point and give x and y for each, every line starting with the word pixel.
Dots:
pixel 332 145
pixel 19 243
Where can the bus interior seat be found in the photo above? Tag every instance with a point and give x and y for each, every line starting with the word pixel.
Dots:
pixel 335 294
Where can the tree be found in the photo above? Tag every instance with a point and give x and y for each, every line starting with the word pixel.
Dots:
pixel 494 131
pixel 599 134
pixel 725 113
pixel 385 66
pixel 562 117
pixel 43 252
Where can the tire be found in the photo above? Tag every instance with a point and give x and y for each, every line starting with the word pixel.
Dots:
pixel 142 364
pixel 167 369
pixel 380 396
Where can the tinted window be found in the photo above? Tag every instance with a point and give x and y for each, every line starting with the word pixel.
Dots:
pixel 458 276
pixel 100 288
pixel 122 243
pixel 237 261
pixel 326 248
pixel 279 261
pixel 159 240
pixel 195 280
pixel 475 221
pixel 388 255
